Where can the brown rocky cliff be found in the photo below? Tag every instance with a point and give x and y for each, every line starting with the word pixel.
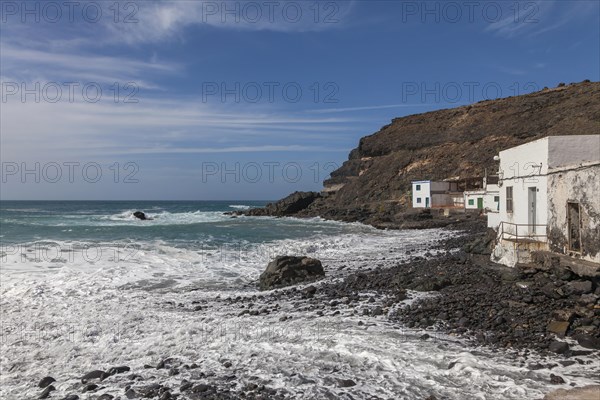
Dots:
pixel 459 142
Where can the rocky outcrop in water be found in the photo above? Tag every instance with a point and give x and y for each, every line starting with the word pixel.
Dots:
pixel 289 205
pixel 140 215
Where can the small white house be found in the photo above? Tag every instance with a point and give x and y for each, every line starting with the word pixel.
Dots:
pixel 428 194
pixel 486 199
pixel 549 199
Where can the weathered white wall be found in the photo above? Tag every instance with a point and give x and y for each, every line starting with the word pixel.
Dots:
pixel 575 149
pixel 581 186
pixel 544 164
pixel 423 193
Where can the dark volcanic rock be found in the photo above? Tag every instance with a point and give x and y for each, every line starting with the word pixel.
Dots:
pixel 289 205
pixel 90 388
pixel 290 270
pixel 96 374
pixel 588 341
pixel 558 347
pixel 140 215
pixel 46 381
pixel 556 380
pixel 118 370
pixel 346 383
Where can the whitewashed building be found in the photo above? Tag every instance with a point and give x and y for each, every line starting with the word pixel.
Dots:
pixel 549 199
pixel 435 194
pixel 486 199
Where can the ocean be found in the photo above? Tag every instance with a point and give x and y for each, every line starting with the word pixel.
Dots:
pixel 85 285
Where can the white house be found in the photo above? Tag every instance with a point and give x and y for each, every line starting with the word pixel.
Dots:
pixel 549 199
pixel 486 199
pixel 428 194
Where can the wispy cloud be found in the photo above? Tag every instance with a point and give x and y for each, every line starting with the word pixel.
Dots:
pixel 166 20
pixel 177 126
pixel 33 64
pixel 534 18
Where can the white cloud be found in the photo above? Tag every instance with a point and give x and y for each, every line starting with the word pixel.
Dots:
pixel 164 20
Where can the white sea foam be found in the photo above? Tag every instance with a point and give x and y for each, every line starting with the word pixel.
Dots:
pixel 65 316
pixel 162 218
pixel 239 206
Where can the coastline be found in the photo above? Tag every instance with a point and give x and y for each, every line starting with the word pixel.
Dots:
pixel 530 306
pixel 402 299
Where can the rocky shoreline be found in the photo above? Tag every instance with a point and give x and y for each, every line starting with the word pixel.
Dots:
pixel 551 312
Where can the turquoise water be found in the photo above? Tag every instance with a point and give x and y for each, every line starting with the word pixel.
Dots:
pixel 181 222
pixel 185 240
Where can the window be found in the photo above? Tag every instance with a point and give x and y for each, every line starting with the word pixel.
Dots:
pixel 418 200
pixel 509 199
pixel 471 202
pixel 496 199
pixel 418 187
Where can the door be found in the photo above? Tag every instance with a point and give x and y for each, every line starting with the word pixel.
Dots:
pixel 532 198
pixel 574 226
pixel 426 202
pixel 480 202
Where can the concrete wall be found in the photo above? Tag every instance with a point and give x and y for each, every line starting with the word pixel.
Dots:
pixel 570 150
pixel 582 186
pixel 443 186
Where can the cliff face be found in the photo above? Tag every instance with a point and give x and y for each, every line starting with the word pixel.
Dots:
pixel 459 142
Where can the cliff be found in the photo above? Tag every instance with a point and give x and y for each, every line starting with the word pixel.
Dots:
pixel 374 184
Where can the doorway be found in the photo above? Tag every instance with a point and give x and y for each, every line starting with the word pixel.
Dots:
pixel 574 226
pixel 532 201
pixel 426 202
pixel 480 203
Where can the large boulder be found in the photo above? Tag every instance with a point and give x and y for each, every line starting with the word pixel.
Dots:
pixel 290 270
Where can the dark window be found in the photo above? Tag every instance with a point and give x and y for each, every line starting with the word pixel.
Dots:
pixel 509 199
pixel 418 199
pixel 496 199
pixel 471 202
pixel 418 187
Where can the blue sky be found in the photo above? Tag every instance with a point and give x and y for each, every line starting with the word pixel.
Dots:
pixel 252 100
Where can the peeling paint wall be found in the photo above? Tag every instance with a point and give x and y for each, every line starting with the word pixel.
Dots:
pixel 582 186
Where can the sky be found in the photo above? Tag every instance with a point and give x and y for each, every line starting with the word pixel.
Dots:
pixel 252 100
